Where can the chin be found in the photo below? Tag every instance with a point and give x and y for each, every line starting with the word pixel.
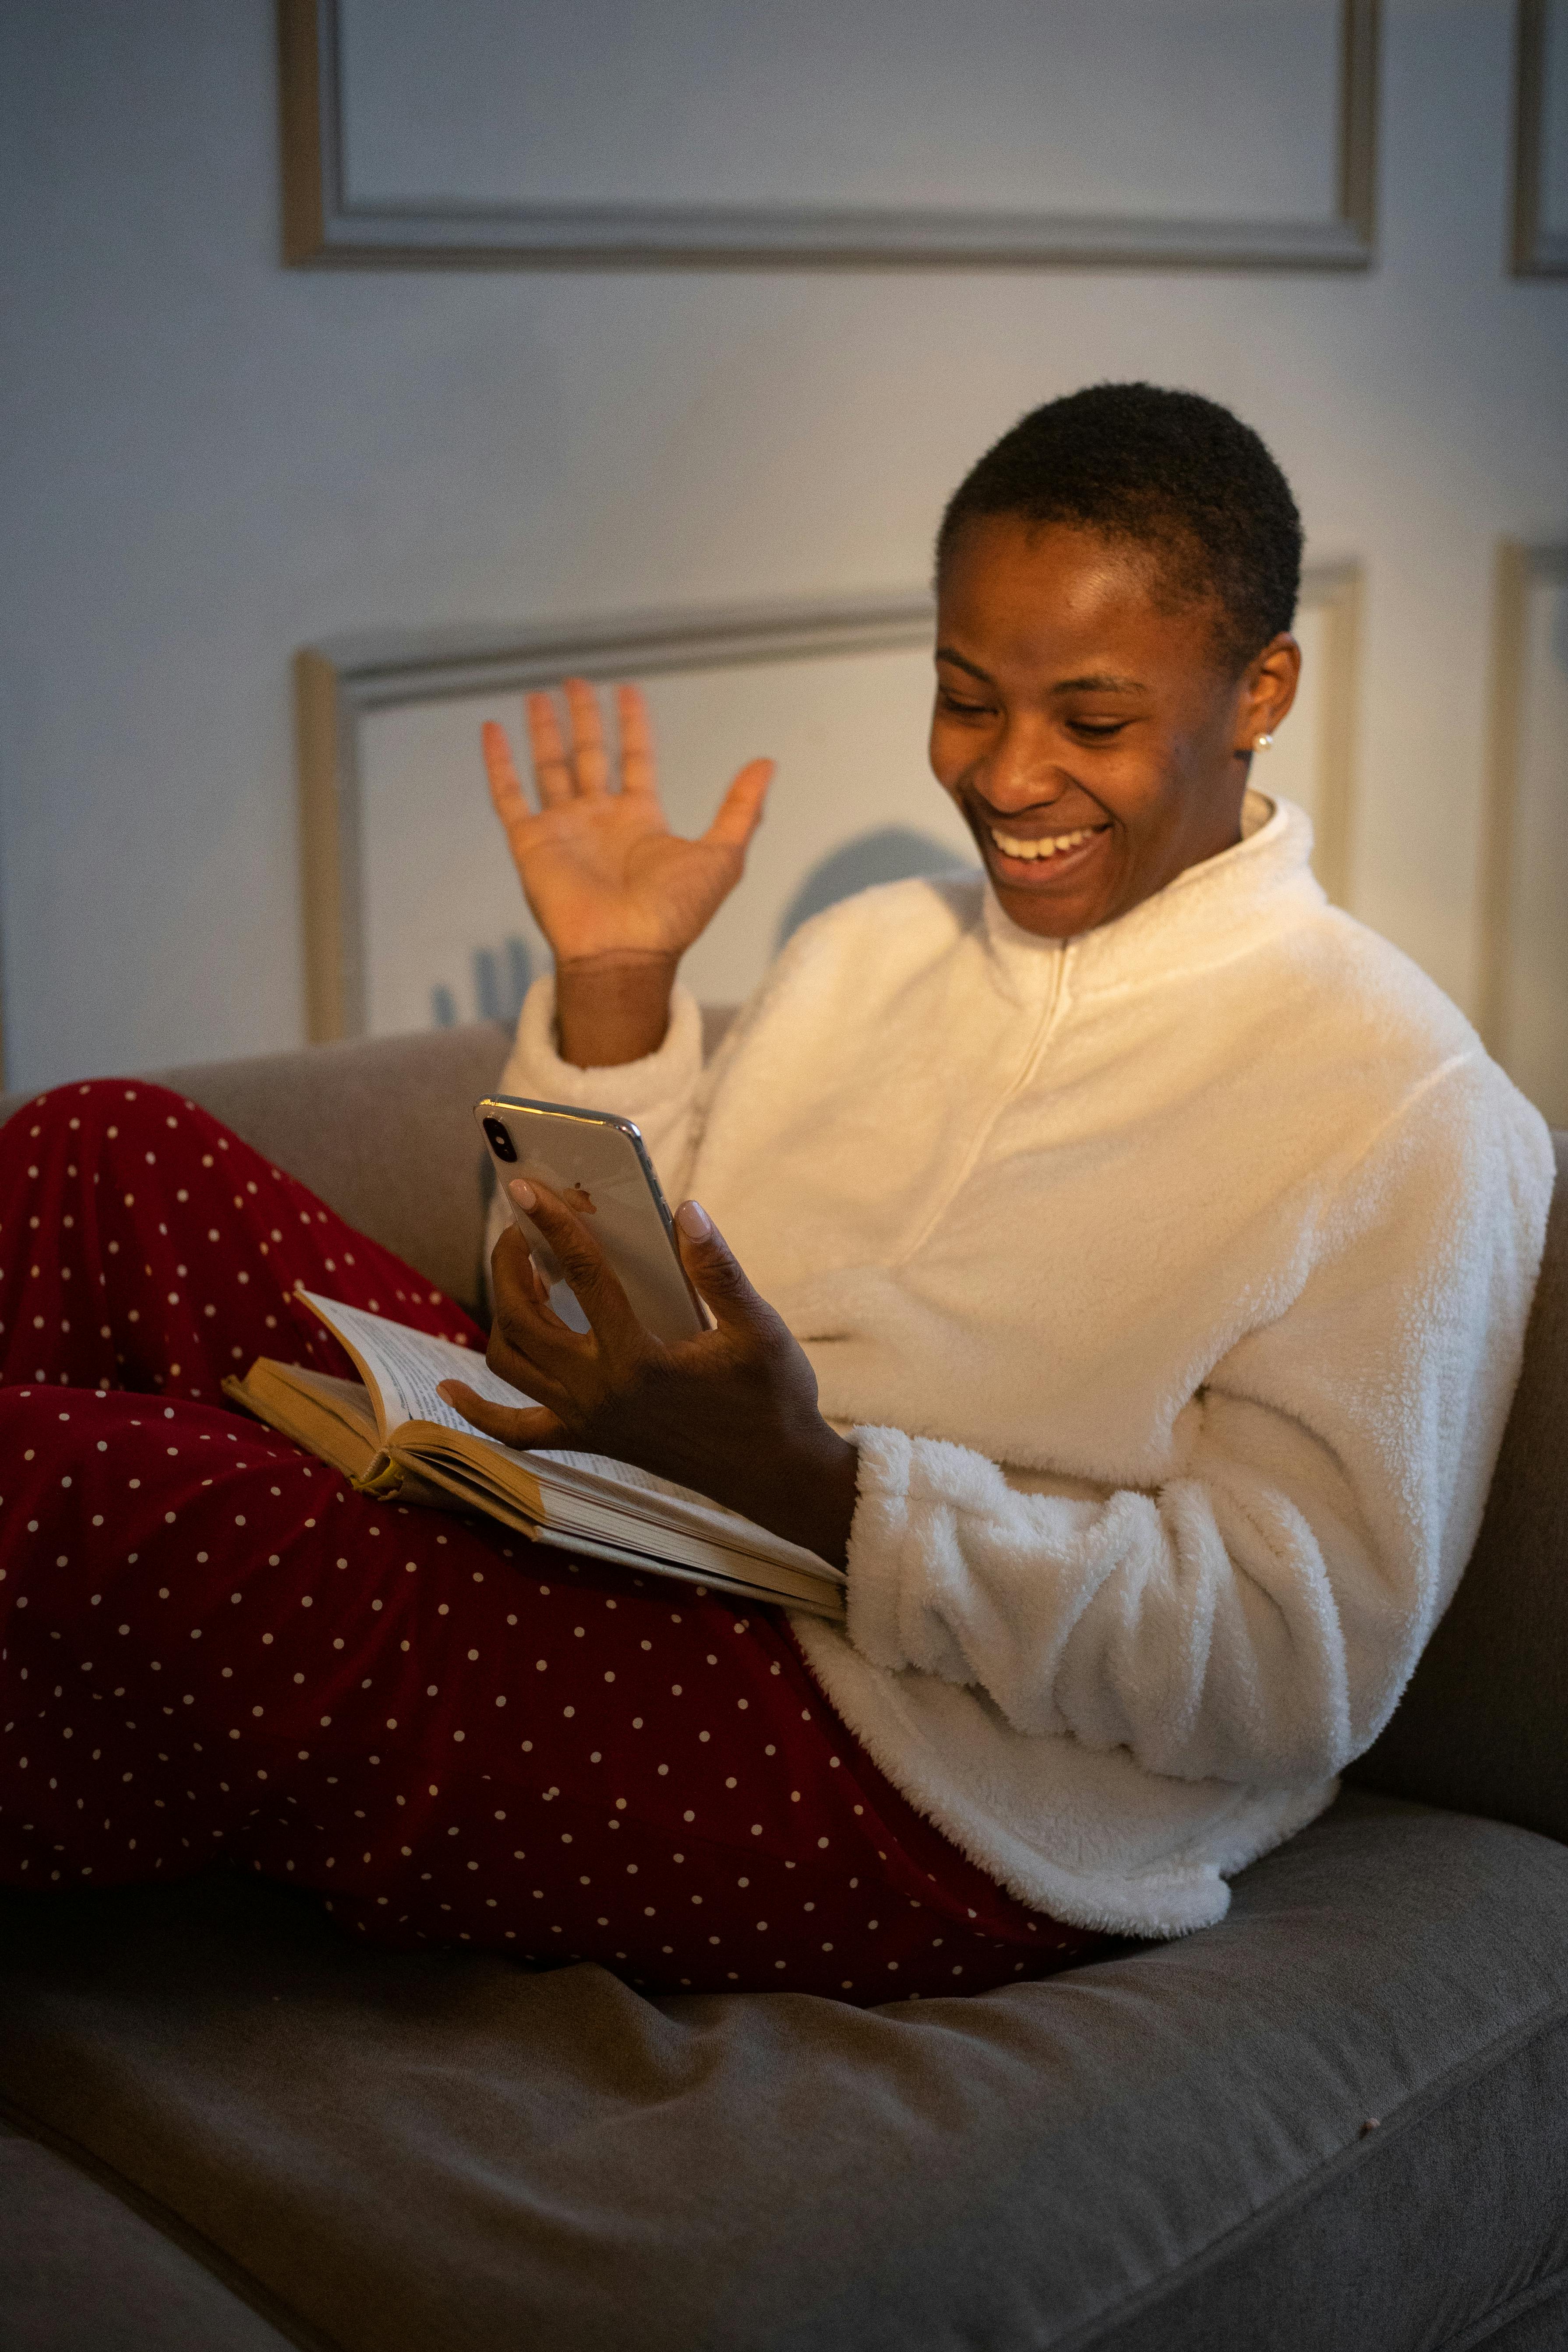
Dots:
pixel 1048 918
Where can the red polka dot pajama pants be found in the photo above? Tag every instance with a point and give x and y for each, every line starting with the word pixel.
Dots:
pixel 211 1647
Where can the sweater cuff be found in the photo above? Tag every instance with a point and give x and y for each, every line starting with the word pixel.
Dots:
pixel 634 1091
pixel 878 1535
pixel 907 1570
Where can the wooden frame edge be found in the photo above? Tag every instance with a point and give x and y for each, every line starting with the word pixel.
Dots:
pixel 1337 590
pixel 1518 567
pixel 1535 251
pixel 1510 586
pixel 1360 48
pixel 300 119
pixel 322 230
pixel 322 865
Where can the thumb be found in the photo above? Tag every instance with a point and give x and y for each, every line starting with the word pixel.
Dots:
pixel 715 1273
pixel 740 810
pixel 533 1425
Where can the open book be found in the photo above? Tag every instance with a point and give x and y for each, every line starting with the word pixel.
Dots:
pixel 396 1435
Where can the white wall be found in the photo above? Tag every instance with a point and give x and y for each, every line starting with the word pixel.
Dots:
pixel 210 460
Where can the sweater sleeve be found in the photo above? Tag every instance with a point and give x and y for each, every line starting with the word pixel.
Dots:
pixel 659 1093
pixel 1255 1618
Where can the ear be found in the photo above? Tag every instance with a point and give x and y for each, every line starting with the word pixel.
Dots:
pixel 1267 691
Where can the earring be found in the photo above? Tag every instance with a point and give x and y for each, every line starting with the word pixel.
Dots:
pixel 1264 743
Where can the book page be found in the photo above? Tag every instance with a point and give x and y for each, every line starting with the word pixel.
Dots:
pixel 695 1511
pixel 404 1366
pixel 347 1401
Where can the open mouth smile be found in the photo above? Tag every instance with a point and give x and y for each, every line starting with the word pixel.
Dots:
pixel 1061 848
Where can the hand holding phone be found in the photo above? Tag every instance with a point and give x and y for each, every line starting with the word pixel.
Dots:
pixel 725 1406
pixel 599 1167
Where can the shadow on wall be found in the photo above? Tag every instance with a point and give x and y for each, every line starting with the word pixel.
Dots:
pixel 894 853
pixel 501 982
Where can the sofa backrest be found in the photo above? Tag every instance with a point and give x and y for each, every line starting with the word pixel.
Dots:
pixel 382 1129
pixel 1483 1728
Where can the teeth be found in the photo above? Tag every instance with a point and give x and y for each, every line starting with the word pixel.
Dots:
pixel 1045 848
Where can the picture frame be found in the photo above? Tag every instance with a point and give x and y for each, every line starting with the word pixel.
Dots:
pixel 345 684
pixel 325 227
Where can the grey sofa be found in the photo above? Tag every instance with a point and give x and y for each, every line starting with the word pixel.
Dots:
pixel 1338 2120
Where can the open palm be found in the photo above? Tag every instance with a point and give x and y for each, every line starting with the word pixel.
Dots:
pixel 599 866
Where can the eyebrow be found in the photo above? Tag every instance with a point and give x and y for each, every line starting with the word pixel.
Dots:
pixel 1093 682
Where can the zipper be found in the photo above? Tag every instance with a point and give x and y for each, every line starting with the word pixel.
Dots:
pixel 1034 1054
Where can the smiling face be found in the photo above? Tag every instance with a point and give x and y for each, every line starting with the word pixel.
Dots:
pixel 1087 729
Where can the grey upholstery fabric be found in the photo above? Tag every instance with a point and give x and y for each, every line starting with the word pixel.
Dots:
pixel 1484 1725
pixel 1162 2153
pixel 381 1129
pixel 80 2268
pixel 1166 2152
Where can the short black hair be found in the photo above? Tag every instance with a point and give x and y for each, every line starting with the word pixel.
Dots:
pixel 1169 470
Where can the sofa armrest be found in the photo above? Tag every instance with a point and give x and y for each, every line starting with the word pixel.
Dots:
pixel 1483 1728
pixel 381 1128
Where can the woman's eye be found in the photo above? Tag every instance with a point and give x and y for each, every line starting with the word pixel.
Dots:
pixel 963 709
pixel 1097 731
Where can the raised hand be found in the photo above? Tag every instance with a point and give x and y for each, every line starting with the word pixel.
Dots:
pixel 599 866
pixel 731 1412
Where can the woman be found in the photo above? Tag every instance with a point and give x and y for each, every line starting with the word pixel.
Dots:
pixel 1140 1253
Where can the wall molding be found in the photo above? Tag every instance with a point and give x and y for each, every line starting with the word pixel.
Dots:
pixel 1538 251
pixel 341 680
pixel 322 228
pixel 1336 589
pixel 1519 568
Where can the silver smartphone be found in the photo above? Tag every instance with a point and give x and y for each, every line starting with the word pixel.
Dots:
pixel 599 1165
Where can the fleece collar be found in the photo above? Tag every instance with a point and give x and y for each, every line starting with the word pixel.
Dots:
pixel 1208 914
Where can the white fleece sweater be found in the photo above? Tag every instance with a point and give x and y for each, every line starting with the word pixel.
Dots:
pixel 1173 1281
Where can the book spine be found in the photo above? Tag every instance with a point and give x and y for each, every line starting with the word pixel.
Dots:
pixel 382 1480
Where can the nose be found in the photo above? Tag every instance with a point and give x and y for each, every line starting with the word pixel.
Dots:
pixel 1018 771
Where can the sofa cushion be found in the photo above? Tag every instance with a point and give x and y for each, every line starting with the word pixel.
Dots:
pixel 82 2271
pixel 1172 2149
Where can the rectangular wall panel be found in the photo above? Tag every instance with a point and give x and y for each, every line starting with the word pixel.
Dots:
pixel 1228 130
pixel 447 933
pixel 413 909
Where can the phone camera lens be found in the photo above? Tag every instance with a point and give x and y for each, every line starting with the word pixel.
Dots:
pixel 502 1143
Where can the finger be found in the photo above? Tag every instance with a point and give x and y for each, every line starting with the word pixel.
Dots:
pixel 540 1284
pixel 638 774
pixel 523 1295
pixel 551 774
pixel 589 1276
pixel 506 793
pixel 517 1355
pixel 740 810
pixel 590 760
pixel 715 1272
pixel 532 1425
